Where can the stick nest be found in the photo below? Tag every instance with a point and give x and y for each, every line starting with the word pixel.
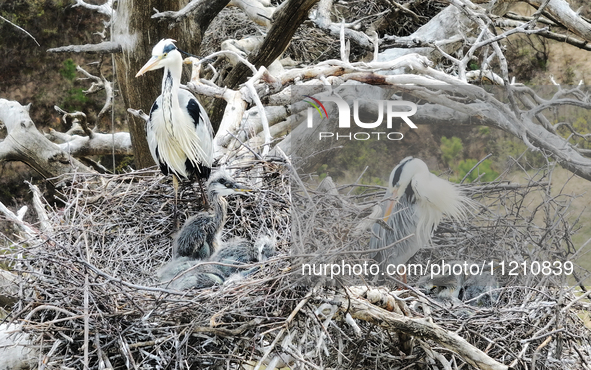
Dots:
pixel 88 282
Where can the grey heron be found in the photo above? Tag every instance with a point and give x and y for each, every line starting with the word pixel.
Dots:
pixel 479 290
pixel 199 236
pixel 238 251
pixel 444 286
pixel 415 203
pixel 476 290
pixel 179 133
pixel 186 273
pixel 183 273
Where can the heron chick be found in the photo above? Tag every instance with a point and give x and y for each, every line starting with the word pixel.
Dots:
pixel 415 203
pixel 199 236
pixel 184 273
pixel 476 290
pixel 179 133
pixel 446 286
pixel 238 251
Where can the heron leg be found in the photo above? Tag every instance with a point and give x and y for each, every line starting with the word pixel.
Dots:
pixel 175 184
pixel 203 197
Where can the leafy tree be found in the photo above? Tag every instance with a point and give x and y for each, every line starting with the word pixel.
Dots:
pixel 484 169
pixel 75 98
pixel 451 149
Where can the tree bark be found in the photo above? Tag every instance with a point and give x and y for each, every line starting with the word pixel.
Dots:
pixel 285 23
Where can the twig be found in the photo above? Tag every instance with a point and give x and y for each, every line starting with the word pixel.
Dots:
pixel 25 31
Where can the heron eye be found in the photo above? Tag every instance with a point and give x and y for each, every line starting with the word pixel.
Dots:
pixel 164 55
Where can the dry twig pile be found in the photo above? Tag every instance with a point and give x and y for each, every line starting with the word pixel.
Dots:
pixel 88 296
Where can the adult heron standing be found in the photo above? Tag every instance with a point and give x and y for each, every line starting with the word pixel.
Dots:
pixel 415 203
pixel 179 132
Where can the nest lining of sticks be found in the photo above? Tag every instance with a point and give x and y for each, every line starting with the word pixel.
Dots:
pixel 311 44
pixel 88 293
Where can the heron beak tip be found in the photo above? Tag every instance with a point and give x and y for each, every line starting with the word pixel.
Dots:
pixel 153 62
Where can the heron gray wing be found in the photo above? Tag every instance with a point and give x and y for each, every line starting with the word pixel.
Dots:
pixel 400 225
pixel 151 134
pixel 203 129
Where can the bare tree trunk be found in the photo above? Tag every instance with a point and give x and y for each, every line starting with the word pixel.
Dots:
pixel 285 23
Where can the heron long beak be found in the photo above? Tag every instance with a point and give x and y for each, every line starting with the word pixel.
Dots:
pixel 243 189
pixel 391 203
pixel 153 62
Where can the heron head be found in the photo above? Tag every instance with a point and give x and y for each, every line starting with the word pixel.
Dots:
pixel 265 247
pixel 222 184
pixel 400 178
pixel 402 174
pixel 442 286
pixel 164 54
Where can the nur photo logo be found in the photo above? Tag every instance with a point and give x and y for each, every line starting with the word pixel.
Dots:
pixel 387 110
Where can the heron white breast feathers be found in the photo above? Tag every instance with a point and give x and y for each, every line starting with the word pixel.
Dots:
pixel 179 132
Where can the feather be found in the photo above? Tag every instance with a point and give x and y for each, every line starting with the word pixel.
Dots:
pixel 422 201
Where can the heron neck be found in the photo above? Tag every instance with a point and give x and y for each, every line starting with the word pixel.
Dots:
pixel 220 209
pixel 170 87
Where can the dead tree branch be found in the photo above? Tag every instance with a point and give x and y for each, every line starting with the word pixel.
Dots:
pixel 105 47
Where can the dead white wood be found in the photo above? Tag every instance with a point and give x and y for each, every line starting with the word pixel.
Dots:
pixel 423 328
pixel 98 84
pixel 567 38
pixel 8 289
pixel 27 230
pixel 98 144
pixel 321 19
pixel 16 352
pixel 106 8
pixel 237 102
pixel 26 144
pixel 44 224
pixel 257 100
pixel 106 47
pixel 562 11
pixel 20 28
pixel 255 10
pixel 446 25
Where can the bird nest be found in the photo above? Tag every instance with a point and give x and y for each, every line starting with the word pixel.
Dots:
pixel 88 294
